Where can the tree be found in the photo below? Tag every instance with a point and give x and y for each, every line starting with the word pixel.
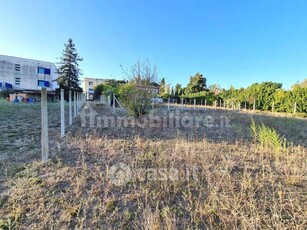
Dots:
pixel 266 94
pixel 162 86
pixel 298 84
pixel 68 70
pixel 215 88
pixel 142 73
pixel 98 91
pixel 167 89
pixel 107 88
pixel 197 84
pixel 178 90
pixel 137 94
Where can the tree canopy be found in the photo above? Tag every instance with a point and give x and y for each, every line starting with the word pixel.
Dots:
pixel 298 84
pixel 197 84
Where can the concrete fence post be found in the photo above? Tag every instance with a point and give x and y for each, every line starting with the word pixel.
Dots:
pixel 62 114
pixel 45 137
pixel 75 104
pixel 245 105
pixel 70 108
pixel 254 105
pixel 181 103
pixel 109 101
pixel 294 109
pixel 113 103
pixel 273 107
pixel 168 101
pixel 194 103
pixel 80 101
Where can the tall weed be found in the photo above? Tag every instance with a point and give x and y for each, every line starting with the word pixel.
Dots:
pixel 267 137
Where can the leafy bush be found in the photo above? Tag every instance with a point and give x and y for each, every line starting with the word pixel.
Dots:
pixel 5 93
pixel 137 95
pixel 135 99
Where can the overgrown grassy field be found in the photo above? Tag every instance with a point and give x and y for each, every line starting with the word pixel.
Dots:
pixel 250 174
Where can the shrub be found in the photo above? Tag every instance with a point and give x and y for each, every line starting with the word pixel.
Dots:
pixel 136 100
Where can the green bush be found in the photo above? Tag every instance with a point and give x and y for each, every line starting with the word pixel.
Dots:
pixel 5 93
pixel 135 99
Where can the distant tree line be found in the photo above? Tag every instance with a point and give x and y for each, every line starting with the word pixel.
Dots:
pixel 269 94
pixel 136 95
pixel 265 95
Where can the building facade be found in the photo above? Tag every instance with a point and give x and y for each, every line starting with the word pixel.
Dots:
pixel 91 83
pixel 26 75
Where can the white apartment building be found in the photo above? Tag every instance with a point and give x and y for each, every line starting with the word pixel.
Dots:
pixel 27 75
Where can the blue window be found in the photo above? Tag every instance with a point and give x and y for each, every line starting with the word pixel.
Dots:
pixel 42 83
pixel 8 85
pixel 41 70
pixel 90 90
pixel 0 85
pixel 47 71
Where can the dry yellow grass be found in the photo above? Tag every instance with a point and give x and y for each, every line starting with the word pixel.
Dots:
pixel 222 182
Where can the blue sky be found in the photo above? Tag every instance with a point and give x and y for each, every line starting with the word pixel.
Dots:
pixel 230 42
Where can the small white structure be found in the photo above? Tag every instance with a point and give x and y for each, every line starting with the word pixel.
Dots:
pixel 26 75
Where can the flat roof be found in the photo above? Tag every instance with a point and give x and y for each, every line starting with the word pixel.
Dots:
pixel 28 59
pixel 92 78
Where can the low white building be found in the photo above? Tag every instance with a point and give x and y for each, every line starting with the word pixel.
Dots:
pixel 27 75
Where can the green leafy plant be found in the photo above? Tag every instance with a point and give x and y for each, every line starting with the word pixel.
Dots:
pixel 267 137
pixel 253 130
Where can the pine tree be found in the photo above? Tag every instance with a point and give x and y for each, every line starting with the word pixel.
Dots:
pixel 68 70
pixel 162 86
